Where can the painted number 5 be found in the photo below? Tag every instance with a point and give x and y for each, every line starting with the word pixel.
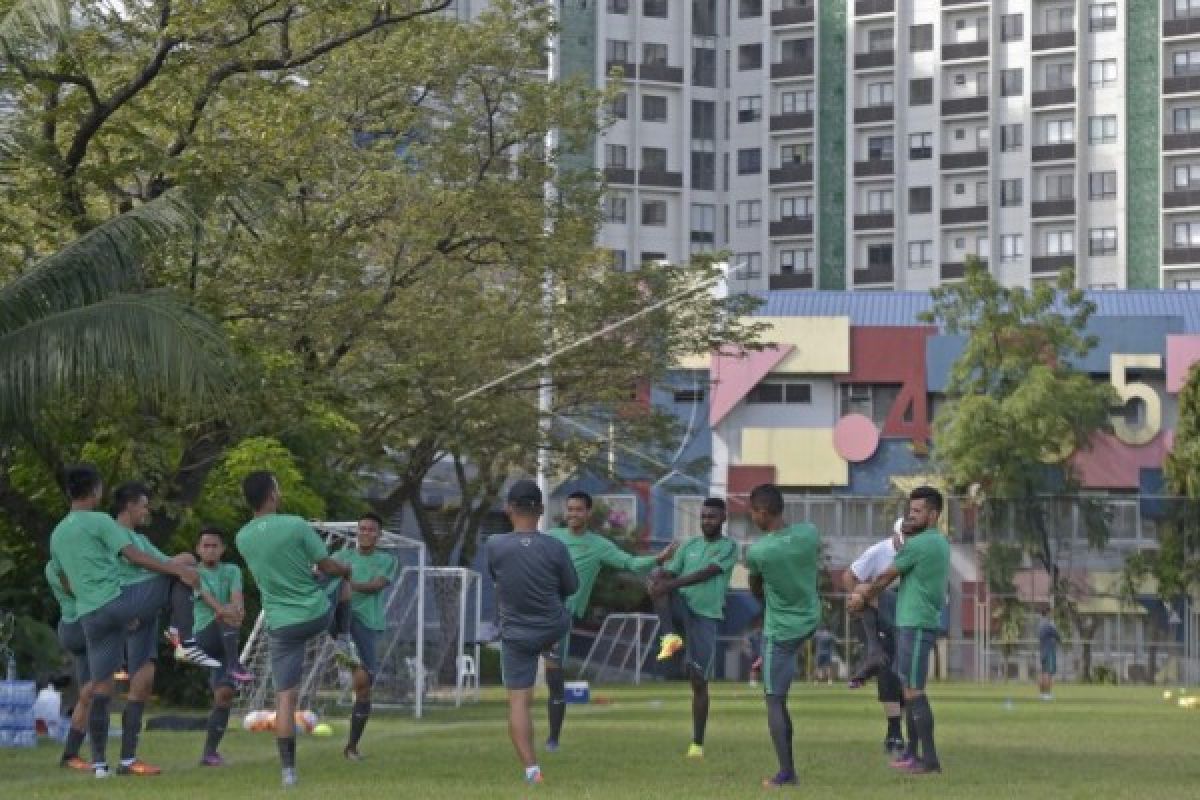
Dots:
pixel 1151 422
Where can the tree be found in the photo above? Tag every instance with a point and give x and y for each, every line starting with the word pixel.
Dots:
pixel 1016 409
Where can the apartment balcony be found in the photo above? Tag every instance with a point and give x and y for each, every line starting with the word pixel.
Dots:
pixel 1181 84
pixel 1175 256
pixel 792 16
pixel 875 273
pixel 791 173
pixel 965 105
pixel 1053 152
pixel 629 69
pixel 1182 141
pixel 874 114
pixel 792 69
pixel 661 73
pixel 661 178
pixel 800 121
pixel 874 222
pixel 978 158
pixel 964 51
pixel 791 226
pixel 1188 26
pixel 1052 41
pixel 1040 265
pixel 874 167
pixel 875 60
pixel 1054 208
pixel 964 215
pixel 791 280
pixel 1181 198
pixel 619 175
pixel 1053 97
pixel 863 8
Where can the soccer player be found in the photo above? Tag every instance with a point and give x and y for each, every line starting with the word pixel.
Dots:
pixel 88 547
pixel 923 566
pixel 534 577
pixel 691 587
pixel 1048 641
pixel 589 552
pixel 217 618
pixel 70 636
pixel 783 568
pixel 878 629
pixel 371 571
pixel 281 550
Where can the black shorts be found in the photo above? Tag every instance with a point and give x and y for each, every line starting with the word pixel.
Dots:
pixel 519 657
pixel 912 655
pixel 127 616
pixel 70 636
pixel 288 645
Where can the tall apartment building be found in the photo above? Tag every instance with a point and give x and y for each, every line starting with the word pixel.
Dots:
pixel 872 144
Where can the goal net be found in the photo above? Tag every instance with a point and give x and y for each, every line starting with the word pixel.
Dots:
pixel 621 649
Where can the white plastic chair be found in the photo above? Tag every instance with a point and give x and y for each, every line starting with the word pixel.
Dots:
pixel 467 674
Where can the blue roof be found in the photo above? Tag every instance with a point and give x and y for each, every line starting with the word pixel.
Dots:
pixel 901 308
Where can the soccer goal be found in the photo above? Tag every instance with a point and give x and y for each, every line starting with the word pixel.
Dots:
pixel 621 648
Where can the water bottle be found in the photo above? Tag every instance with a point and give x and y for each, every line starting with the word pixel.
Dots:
pixel 12 667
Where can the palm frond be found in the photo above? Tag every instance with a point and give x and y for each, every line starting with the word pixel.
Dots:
pixel 106 260
pixel 149 342
pixel 29 23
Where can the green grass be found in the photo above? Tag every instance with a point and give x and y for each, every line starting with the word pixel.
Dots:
pixel 1096 743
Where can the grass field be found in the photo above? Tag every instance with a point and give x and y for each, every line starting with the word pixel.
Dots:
pixel 1097 743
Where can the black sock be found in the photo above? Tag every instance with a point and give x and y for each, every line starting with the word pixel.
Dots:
pixel 870 623
pixel 341 618
pixel 556 703
pixel 699 712
pixel 893 730
pixel 779 723
pixel 358 721
pixel 98 729
pixel 74 742
pixel 923 721
pixel 182 602
pixel 131 729
pixel 914 744
pixel 287 751
pixel 218 721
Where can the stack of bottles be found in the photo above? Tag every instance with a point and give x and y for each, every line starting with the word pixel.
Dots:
pixel 16 710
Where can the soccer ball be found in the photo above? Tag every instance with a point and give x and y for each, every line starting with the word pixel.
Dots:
pixel 306 721
pixel 259 721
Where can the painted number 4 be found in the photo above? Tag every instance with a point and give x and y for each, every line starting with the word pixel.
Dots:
pixel 1150 424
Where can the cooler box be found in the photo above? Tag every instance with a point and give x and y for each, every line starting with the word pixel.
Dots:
pixel 577 691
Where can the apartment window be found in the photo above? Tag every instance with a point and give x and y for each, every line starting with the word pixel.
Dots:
pixel 654 108
pixel 1187 8
pixel 704 66
pixel 1012 27
pixel 920 254
pixel 1060 187
pixel 880 148
pixel 1186 119
pixel 618 6
pixel 790 392
pixel 1010 193
pixel 749 161
pixel 704 170
pixel 1102 72
pixel 749 265
pixel 749 213
pixel 704 119
pixel 920 199
pixel 654 159
pixel 1060 243
pixel 619 261
pixel 1187 234
pixel 879 94
pixel 920 38
pixel 1103 129
pixel 1103 185
pixel 960 79
pixel 1060 131
pixel 795 154
pixel 796 102
pixel 1102 241
pixel 1102 17
pixel 1012 246
pixel 652 258
pixel 1060 20
pixel 798 207
pixel 619 107
pixel 981 83
pixel 879 40
pixel 654 54
pixel 654 213
pixel 879 255
pixel 1187 284
pixel 960 188
pixel 615 209
pixel 793 50
pixel 1060 76
pixel 749 108
pixel 794 261
pixel 1011 137
pixel 654 8
pixel 1186 62
pixel 616 155
pixel 1187 176
pixel 960 134
pixel 704 223
pixel 616 51
pixel 749 8
pixel 920 146
pixel 879 201
pixel 1012 82
pixel 981 193
pixel 749 56
pixel 920 91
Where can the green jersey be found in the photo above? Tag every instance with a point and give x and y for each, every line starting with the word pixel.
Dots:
pixel 706 598
pixel 221 581
pixel 65 601
pixel 87 545
pixel 589 552
pixel 787 561
pixel 280 550
pixel 924 567
pixel 131 573
pixel 369 607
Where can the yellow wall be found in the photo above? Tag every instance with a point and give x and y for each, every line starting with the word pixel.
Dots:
pixel 822 345
pixel 802 456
